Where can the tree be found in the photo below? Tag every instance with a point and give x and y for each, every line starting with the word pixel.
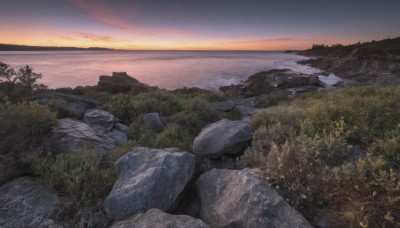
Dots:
pixel 8 73
pixel 28 78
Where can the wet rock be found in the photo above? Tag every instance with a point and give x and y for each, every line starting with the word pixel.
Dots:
pixel 25 202
pixel 149 178
pixel 155 218
pixel 222 137
pixel 101 121
pixel 237 198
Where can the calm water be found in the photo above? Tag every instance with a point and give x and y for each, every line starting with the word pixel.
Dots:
pixel 166 69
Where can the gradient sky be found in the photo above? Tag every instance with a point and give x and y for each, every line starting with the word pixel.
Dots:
pixel 197 24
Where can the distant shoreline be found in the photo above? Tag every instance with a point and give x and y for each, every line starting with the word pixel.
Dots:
pixel 12 47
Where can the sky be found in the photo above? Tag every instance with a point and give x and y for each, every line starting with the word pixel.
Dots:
pixel 197 24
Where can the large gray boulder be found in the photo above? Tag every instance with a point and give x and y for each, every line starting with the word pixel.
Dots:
pixel 155 218
pixel 237 198
pixel 26 203
pixel 66 105
pixel 101 121
pixel 222 137
pixel 71 135
pixel 149 178
pixel 153 119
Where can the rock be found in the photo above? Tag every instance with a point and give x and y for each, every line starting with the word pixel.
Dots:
pixel 222 137
pixel 10 167
pixel 153 119
pixel 118 79
pixel 122 127
pixel 26 203
pixel 100 120
pixel 193 208
pixel 71 135
pixel 267 82
pixel 66 105
pixel 149 178
pixel 224 106
pixel 297 80
pixel 237 198
pixel 246 112
pixel 118 137
pixel 87 218
pixel 155 218
pixel 47 222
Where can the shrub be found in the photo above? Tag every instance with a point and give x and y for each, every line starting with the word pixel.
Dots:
pixel 120 105
pixel 121 150
pixel 163 102
pixel 365 193
pixel 79 175
pixel 24 125
pixel 314 150
pixel 271 100
pixel 196 114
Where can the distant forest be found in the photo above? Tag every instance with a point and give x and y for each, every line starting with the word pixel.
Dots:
pixel 11 47
pixel 373 49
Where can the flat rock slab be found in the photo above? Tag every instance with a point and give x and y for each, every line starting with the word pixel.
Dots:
pixel 149 178
pixel 25 202
pixel 237 198
pixel 155 218
pixel 101 121
pixel 222 137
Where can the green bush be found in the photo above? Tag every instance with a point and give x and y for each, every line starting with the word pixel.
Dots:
pixel 79 175
pixel 23 126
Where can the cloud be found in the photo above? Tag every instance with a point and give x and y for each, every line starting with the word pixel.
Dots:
pixel 123 17
pixel 95 38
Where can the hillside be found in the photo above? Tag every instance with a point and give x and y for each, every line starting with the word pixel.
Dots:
pixel 371 62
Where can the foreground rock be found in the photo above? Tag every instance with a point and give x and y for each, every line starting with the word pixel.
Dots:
pixel 236 198
pixel 26 203
pixel 71 135
pixel 100 120
pixel 222 137
pixel 66 105
pixel 155 218
pixel 149 178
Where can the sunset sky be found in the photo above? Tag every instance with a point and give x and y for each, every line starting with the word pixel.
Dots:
pixel 196 24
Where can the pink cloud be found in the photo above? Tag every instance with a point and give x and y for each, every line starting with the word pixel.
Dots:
pixel 124 19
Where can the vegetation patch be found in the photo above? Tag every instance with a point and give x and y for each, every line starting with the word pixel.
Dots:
pixel 334 155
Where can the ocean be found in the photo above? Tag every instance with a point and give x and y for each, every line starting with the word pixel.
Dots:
pixel 165 69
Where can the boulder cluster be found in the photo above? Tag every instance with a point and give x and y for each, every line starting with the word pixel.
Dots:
pixel 155 187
